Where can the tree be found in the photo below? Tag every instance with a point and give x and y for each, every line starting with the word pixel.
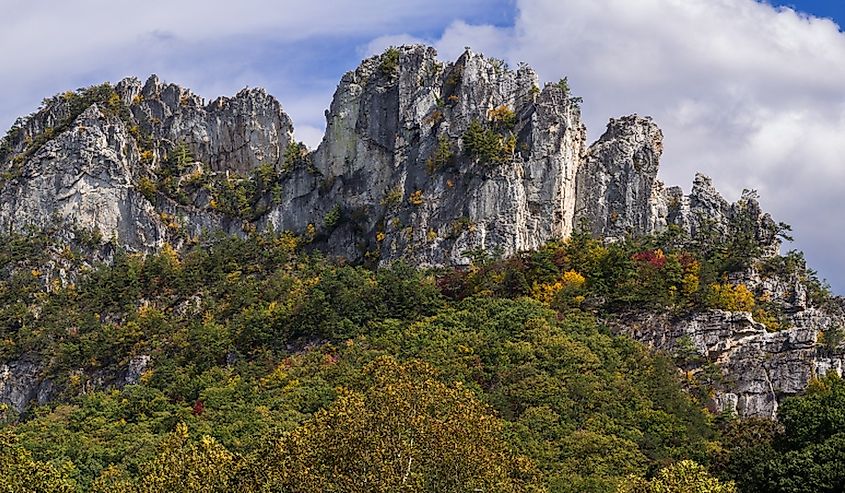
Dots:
pixel 406 432
pixel 683 477
pixel 186 466
pixel 19 473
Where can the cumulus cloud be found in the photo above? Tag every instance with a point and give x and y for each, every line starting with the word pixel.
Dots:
pixel 745 92
pixel 294 48
pixel 750 94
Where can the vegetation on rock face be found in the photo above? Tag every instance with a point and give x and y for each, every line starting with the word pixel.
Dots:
pixel 487 145
pixel 68 106
pixel 389 61
pixel 803 453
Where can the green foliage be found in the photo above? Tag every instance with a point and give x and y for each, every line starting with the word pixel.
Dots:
pixel 183 466
pixel 392 197
pixel 389 61
pixel 502 117
pixel 683 477
pixel 805 454
pixel 406 430
pixel 442 156
pixel 68 107
pixel 148 189
pixel 563 85
pixel 250 342
pixel 181 157
pixel 332 218
pixel 488 146
pixel 296 155
pixel 20 473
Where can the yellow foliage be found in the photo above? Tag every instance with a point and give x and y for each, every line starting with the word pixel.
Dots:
pixel 114 101
pixel 170 255
pixel 288 241
pixel 380 236
pixel 310 233
pixel 569 284
pixel 573 279
pixel 416 198
pixel 770 321
pixel 501 114
pixel 730 297
pixel 406 432
pixel 685 476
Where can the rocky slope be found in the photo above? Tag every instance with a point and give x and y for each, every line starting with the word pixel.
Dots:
pixel 421 160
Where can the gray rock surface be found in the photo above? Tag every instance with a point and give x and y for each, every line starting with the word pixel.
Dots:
pixel 21 382
pixel 152 163
pixel 618 190
pixel 758 368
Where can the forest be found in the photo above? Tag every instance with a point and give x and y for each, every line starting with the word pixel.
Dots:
pixel 272 368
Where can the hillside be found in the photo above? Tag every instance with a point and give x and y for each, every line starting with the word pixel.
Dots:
pixel 453 292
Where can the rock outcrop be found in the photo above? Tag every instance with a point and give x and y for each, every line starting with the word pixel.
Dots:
pixel 21 382
pixel 756 368
pixel 402 171
pixel 421 160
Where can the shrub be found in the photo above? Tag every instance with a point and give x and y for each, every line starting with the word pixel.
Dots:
pixel 389 61
pixel 502 117
pixel 148 188
pixel 441 157
pixel 487 146
pixel 295 155
pixel 731 297
pixel 416 198
pixel 332 218
pixel 392 197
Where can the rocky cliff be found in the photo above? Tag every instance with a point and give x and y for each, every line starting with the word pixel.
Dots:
pixel 421 160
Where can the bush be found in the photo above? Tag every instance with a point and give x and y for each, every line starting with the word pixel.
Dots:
pixel 389 61
pixel 442 155
pixel 730 297
pixel 487 146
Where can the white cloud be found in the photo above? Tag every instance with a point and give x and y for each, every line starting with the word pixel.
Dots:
pixel 213 44
pixel 749 94
pixel 752 95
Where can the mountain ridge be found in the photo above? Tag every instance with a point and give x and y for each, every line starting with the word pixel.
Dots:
pixel 398 125
pixel 421 161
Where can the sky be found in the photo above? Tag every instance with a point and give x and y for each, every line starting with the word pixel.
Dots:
pixel 751 93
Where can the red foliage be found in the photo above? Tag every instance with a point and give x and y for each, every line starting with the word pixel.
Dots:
pixel 687 260
pixel 199 407
pixel 453 284
pixel 655 258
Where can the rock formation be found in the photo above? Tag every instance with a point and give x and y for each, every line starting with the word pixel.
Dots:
pixel 421 160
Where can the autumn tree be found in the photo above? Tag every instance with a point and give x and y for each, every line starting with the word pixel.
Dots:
pixel 406 431
pixel 683 477
pixel 20 473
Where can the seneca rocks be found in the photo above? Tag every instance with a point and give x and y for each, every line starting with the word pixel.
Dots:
pixel 394 177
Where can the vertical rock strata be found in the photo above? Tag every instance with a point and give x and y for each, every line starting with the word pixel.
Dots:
pixel 421 160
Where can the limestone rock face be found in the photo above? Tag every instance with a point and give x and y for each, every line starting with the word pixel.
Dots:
pixel 617 185
pixel 422 160
pixel 394 154
pixel 757 368
pixel 235 134
pixel 85 176
pixel 21 382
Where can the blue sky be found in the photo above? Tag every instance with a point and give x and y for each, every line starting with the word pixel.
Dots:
pixel 750 93
pixel 833 9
